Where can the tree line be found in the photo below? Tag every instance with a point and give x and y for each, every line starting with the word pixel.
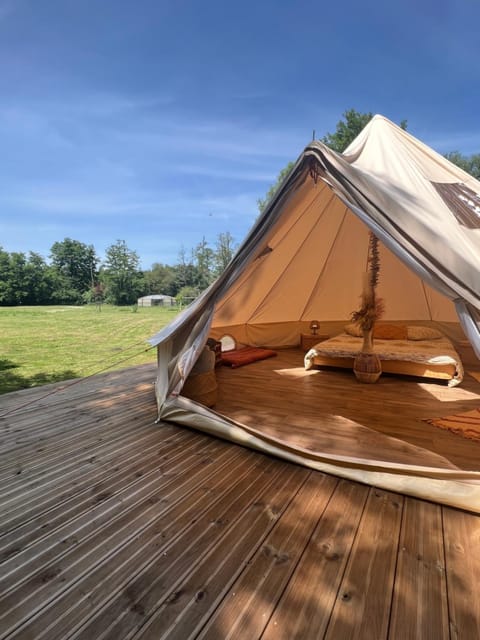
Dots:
pixel 74 274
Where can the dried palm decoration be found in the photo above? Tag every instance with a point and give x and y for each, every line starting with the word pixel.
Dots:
pixel 371 308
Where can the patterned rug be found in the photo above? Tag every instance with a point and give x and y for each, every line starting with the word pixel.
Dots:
pixel 465 424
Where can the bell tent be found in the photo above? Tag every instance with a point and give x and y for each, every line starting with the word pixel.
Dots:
pixel 304 261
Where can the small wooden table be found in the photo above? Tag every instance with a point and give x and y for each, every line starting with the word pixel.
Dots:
pixel 308 340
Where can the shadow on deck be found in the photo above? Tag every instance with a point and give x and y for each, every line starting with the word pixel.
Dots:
pixel 114 527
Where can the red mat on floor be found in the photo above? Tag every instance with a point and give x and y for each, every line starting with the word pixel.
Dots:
pixel 245 355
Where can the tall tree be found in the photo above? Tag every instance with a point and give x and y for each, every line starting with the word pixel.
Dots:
pixel 186 273
pixel 24 280
pixel 5 292
pixel 39 280
pixel 121 274
pixel 224 251
pixel 18 283
pixel 76 266
pixel 204 257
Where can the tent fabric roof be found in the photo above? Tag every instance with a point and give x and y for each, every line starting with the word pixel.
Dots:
pixel 305 256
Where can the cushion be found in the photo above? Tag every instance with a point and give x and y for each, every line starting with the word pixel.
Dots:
pixel 246 355
pixel 353 330
pixel 382 331
pixel 385 331
pixel 390 331
pixel 423 333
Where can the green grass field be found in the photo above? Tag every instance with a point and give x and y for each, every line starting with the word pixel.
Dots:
pixel 48 344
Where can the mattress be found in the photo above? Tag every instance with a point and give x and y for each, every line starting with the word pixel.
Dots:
pixel 426 358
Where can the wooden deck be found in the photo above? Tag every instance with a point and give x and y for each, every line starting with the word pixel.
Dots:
pixel 114 527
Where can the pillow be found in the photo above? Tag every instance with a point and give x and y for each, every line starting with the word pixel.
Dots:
pixel 353 330
pixel 423 333
pixel 390 332
pixel 382 331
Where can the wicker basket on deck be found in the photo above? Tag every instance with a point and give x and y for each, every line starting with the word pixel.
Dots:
pixel 201 387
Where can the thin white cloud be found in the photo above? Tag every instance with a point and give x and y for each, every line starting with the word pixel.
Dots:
pixel 61 199
pixel 149 131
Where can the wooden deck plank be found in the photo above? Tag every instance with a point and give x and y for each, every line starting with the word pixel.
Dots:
pixel 204 566
pixel 462 556
pixel 126 537
pixel 34 483
pixel 420 605
pixel 26 443
pixel 264 562
pixel 248 604
pixel 100 480
pixel 160 555
pixel 362 606
pixel 55 394
pixel 103 392
pixel 103 507
pixel 306 605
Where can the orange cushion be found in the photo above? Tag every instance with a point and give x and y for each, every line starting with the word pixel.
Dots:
pixel 390 332
pixel 382 331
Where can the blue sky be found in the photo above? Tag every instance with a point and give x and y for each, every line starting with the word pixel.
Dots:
pixel 162 122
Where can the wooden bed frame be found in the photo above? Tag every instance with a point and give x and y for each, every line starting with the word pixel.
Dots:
pixel 434 357
pixel 439 372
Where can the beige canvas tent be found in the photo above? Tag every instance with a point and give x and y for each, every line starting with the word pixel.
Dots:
pixel 304 260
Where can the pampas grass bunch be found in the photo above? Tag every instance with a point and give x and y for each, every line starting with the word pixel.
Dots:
pixel 371 308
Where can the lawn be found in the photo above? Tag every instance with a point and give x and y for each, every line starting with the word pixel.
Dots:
pixel 48 344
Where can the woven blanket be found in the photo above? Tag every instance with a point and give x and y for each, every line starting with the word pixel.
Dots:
pixel 465 424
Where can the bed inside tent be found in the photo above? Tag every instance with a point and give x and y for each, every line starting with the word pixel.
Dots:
pixel 304 261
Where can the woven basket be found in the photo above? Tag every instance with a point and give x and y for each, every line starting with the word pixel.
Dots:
pixel 201 387
pixel 367 367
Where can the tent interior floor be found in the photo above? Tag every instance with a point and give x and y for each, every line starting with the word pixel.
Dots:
pixel 112 526
pixel 328 410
